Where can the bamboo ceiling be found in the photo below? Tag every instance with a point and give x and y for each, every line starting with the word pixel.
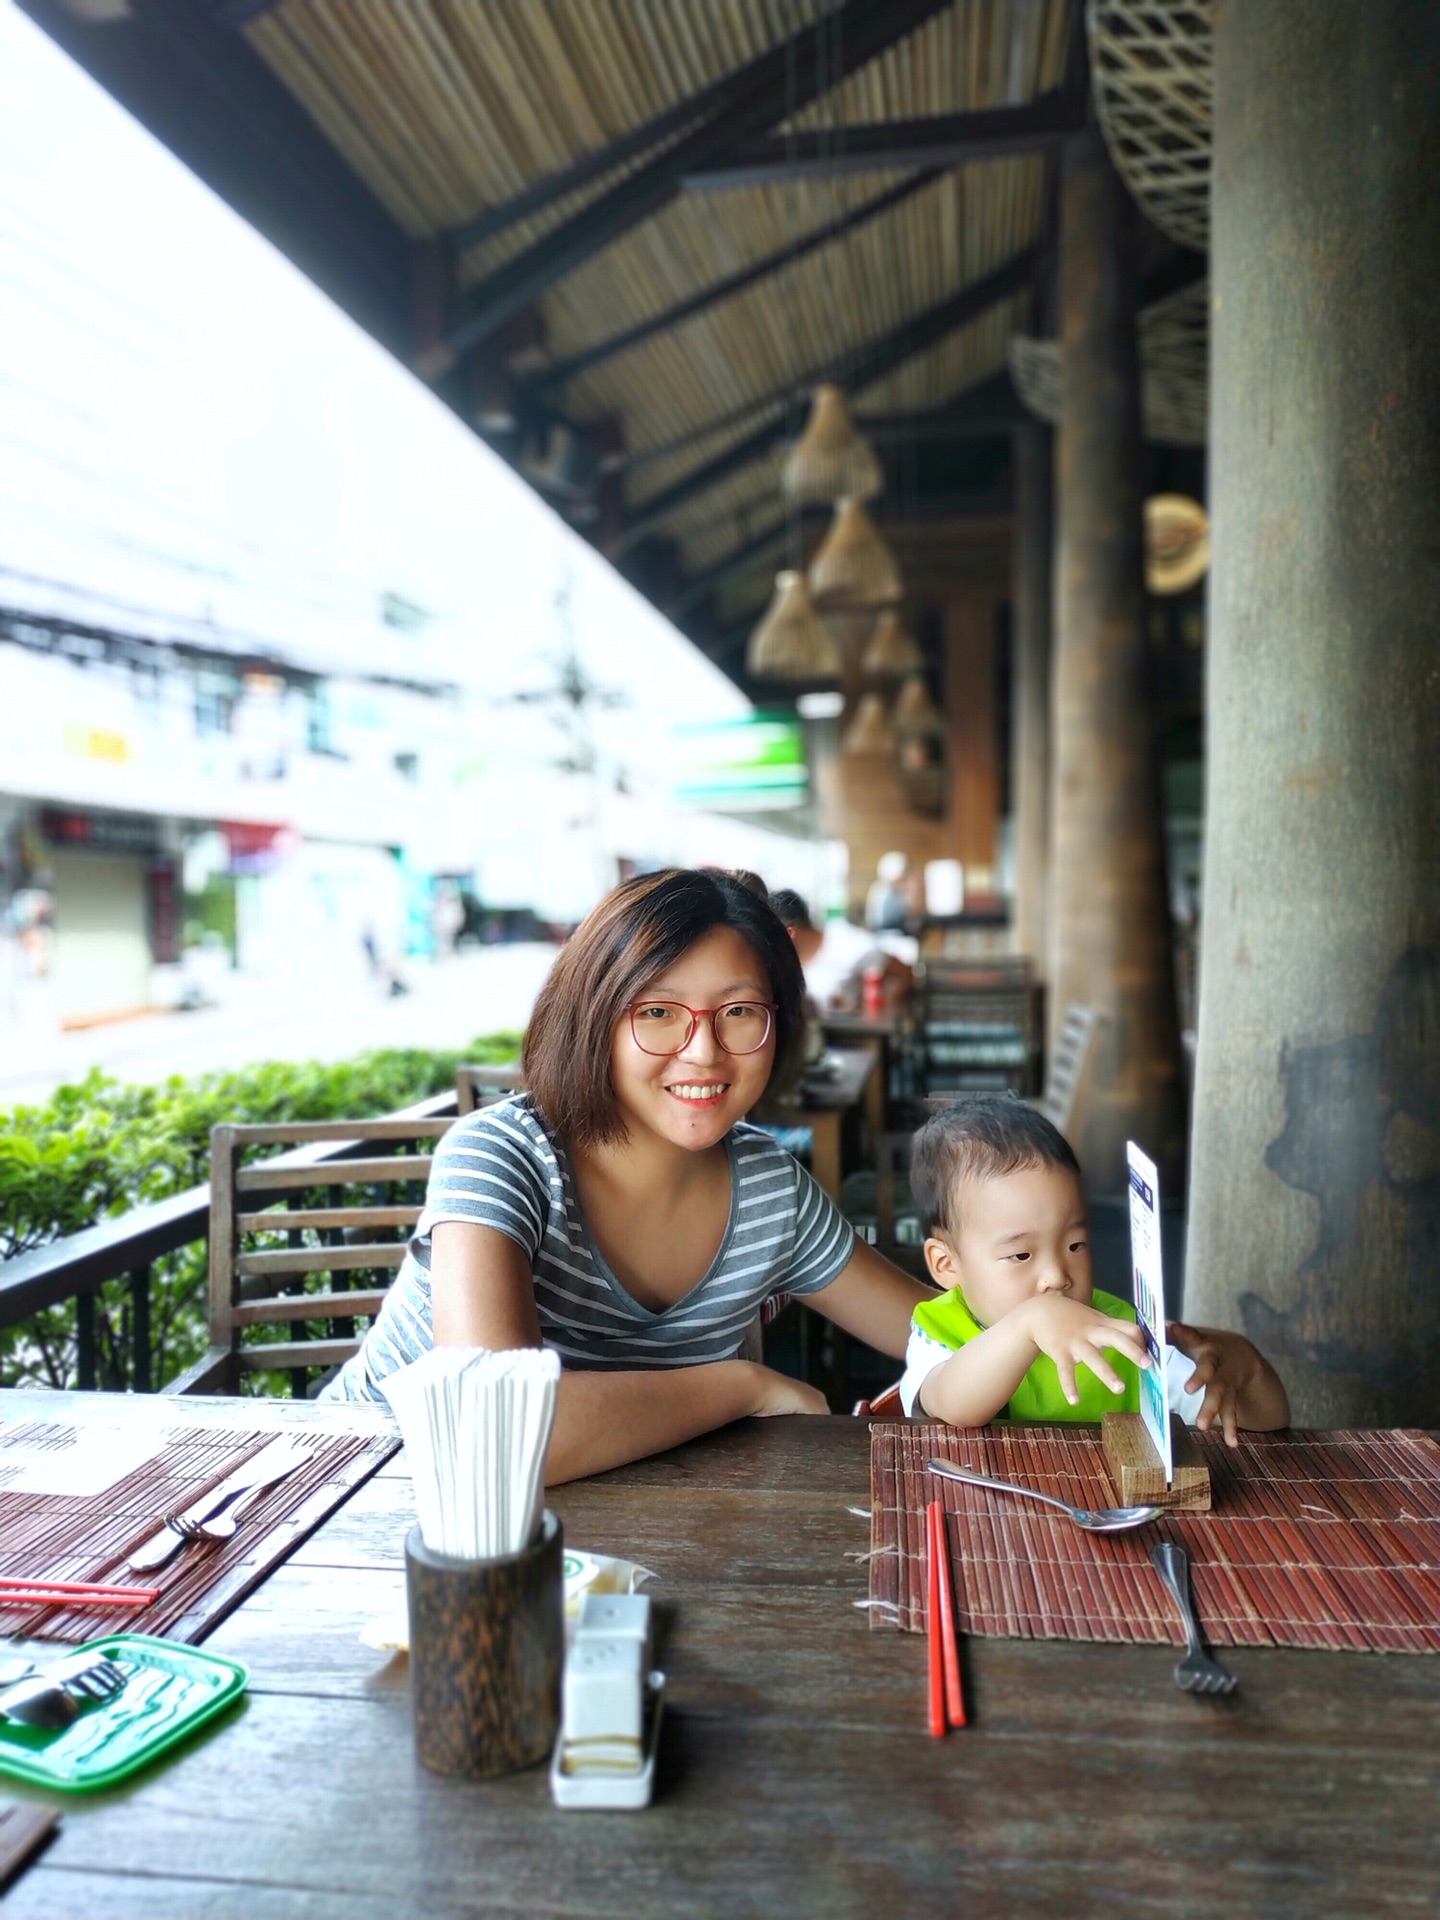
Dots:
pixel 446 108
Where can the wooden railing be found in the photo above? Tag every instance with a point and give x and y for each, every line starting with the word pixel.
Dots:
pixel 127 1247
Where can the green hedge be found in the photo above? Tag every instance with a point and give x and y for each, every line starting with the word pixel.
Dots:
pixel 101 1147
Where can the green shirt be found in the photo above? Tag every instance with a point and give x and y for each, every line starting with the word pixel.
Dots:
pixel 945 1324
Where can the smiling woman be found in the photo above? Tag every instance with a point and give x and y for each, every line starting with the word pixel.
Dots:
pixel 622 1211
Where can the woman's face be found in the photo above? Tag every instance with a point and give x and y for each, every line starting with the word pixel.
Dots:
pixel 692 1098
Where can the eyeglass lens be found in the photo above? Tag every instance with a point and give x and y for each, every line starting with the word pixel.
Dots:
pixel 663 1026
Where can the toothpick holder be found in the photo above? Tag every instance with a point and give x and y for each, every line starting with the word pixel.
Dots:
pixel 487 1645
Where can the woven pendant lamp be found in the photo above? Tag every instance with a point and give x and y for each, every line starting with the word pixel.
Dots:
pixel 892 652
pixel 791 641
pixel 853 567
pixel 915 711
pixel 830 458
pixel 870 731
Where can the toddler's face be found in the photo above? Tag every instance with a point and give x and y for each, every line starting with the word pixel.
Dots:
pixel 1020 1234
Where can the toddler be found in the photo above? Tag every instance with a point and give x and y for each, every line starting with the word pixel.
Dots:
pixel 1021 1329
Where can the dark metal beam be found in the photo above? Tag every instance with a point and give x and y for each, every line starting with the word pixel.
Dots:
pixel 608 159
pixel 940 140
pixel 727 288
pixel 854 370
pixel 202 90
pixel 781 83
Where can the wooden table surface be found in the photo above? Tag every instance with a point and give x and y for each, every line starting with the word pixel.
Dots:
pixel 795 1774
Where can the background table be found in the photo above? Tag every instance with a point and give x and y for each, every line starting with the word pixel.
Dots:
pixel 795 1774
pixel 824 1102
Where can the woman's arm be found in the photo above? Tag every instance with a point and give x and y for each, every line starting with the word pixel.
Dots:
pixel 871 1299
pixel 483 1295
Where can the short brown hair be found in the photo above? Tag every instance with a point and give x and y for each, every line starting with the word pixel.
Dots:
pixel 982 1138
pixel 634 934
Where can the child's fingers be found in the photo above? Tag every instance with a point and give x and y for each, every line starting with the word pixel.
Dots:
pixel 1095 1360
pixel 1065 1367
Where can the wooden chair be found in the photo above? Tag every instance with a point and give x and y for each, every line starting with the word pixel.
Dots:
pixel 1067 1085
pixel 344 1219
pixel 980 1028
pixel 483 1086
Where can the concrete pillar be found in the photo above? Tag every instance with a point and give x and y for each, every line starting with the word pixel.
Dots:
pixel 1031 603
pixel 1315 1208
pixel 1110 921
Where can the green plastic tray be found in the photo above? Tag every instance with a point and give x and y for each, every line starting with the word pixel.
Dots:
pixel 170 1690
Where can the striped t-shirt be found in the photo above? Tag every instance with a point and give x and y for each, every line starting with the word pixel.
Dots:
pixel 502 1167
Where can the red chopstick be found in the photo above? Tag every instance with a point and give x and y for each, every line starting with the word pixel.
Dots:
pixel 949 1644
pixel 933 1552
pixel 72 1593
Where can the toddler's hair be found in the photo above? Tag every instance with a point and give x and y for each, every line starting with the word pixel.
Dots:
pixel 979 1138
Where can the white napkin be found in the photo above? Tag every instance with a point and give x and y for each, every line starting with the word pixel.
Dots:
pixel 476 1426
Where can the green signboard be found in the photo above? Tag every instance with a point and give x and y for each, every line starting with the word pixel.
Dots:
pixel 748 765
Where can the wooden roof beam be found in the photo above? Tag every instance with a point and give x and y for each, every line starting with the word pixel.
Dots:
pixel 779 83
pixel 726 289
pixel 941 140
pixel 856 369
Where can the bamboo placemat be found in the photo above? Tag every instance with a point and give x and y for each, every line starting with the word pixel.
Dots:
pixel 90 1538
pixel 1315 1540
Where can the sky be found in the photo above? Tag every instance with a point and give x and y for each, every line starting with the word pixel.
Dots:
pixel 190 429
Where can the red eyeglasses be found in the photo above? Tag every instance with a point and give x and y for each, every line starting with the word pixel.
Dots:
pixel 667 1026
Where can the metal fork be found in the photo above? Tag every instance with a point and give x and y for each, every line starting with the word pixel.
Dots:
pixel 48 1700
pixel 1197 1672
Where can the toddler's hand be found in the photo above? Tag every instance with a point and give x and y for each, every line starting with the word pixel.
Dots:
pixel 778 1393
pixel 1073 1335
pixel 1225 1365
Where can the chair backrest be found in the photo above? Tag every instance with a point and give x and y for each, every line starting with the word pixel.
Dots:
pixel 1072 1064
pixel 483 1086
pixel 298 1242
pixel 980 1029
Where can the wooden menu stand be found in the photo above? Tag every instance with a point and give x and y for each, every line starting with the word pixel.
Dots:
pixel 1138 1474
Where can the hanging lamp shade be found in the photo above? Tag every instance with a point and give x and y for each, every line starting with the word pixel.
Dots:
pixel 1177 542
pixel 791 642
pixel 830 458
pixel 892 652
pixel 870 731
pixel 915 711
pixel 853 567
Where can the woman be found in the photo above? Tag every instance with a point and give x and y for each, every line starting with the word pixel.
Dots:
pixel 620 1210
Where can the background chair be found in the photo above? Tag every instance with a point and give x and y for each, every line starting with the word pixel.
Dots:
pixel 980 1028
pixel 305 1247
pixel 483 1086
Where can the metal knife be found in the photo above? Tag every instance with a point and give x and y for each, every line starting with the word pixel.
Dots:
pixel 280 1458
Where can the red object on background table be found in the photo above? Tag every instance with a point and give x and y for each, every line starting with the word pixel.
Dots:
pixel 934 1548
pixel 949 1641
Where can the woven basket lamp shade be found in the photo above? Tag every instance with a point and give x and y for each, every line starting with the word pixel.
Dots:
pixel 854 568
pixel 892 652
pixel 791 641
pixel 870 731
pixel 830 459
pixel 916 712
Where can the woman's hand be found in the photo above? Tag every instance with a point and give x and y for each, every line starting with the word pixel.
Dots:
pixel 778 1393
pixel 1074 1335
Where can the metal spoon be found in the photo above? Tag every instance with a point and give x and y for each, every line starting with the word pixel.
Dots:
pixel 1092 1520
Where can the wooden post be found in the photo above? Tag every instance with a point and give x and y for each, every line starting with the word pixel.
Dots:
pixel 973 739
pixel 1316 1194
pixel 1110 929
pixel 1030 701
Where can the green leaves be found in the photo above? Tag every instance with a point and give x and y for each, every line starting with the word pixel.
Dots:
pixel 99 1147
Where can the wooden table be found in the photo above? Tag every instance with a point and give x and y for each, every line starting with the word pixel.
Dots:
pixel 877 1033
pixel 796 1777
pixel 824 1103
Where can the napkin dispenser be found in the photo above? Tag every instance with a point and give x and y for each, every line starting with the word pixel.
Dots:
pixel 487 1643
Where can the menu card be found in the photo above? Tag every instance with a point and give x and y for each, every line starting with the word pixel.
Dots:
pixel 1150 1299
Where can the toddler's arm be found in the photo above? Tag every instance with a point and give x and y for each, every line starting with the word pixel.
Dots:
pixel 976 1383
pixel 1242 1389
